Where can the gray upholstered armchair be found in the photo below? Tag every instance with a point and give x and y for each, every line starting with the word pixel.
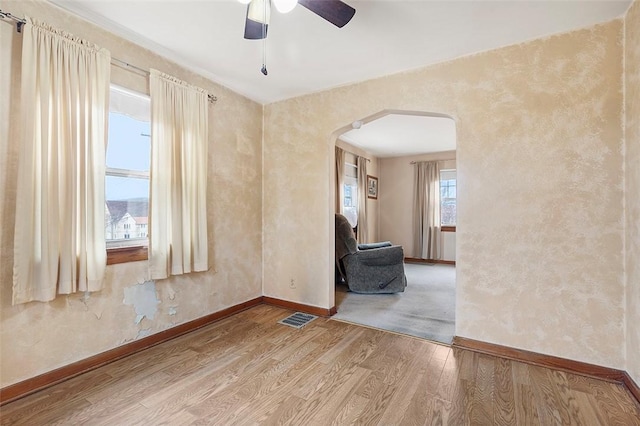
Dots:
pixel 368 268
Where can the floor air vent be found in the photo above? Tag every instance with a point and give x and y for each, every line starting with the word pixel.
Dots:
pixel 297 320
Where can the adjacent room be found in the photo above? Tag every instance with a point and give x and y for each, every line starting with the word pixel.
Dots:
pixel 409 157
pixel 170 193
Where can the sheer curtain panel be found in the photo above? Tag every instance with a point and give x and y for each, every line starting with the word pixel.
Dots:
pixel 59 245
pixel 426 210
pixel 178 199
pixel 363 231
pixel 340 159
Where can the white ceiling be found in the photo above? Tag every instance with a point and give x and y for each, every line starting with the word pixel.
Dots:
pixel 399 135
pixel 306 54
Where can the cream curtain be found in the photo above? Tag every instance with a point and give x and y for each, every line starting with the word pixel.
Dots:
pixel 340 160
pixel 178 184
pixel 426 210
pixel 363 229
pixel 59 245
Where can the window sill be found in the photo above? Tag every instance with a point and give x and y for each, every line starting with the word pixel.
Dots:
pixel 448 228
pixel 127 254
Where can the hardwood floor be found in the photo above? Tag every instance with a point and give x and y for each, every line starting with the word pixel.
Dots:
pixel 247 370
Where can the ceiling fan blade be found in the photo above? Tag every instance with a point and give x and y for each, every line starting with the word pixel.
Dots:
pixel 253 29
pixel 334 11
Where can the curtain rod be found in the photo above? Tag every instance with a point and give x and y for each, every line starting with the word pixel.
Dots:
pixel 126 65
pixel 356 155
pixel 19 21
pixel 115 61
pixel 353 153
pixel 426 161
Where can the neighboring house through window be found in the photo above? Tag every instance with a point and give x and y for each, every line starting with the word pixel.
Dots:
pixel 448 195
pixel 127 170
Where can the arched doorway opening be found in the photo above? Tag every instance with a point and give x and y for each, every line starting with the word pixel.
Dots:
pixel 394 142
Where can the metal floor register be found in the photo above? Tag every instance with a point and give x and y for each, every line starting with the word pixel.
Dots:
pixel 297 320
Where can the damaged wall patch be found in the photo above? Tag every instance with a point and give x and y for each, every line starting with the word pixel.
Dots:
pixel 143 298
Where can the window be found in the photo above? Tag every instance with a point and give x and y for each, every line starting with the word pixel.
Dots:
pixel 448 198
pixel 127 175
pixel 350 201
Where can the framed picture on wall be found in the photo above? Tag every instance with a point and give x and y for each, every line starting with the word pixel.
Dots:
pixel 372 187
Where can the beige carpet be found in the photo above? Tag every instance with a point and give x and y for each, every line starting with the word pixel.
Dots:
pixel 426 308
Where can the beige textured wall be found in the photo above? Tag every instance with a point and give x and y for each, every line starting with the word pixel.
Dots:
pixel 632 171
pixel 38 337
pixel 396 197
pixel 539 155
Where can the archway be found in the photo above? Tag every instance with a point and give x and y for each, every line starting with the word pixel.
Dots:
pixel 410 136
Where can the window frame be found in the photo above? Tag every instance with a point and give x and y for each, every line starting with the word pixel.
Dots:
pixel 448 227
pixel 117 255
pixel 353 182
pixel 133 249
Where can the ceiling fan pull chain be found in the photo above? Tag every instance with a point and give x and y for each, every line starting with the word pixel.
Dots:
pixel 264 56
pixel 264 40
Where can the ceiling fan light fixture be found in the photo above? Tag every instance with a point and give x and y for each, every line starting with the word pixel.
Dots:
pixel 259 11
pixel 285 6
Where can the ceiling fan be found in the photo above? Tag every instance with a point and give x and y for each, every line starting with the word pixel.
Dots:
pixel 259 12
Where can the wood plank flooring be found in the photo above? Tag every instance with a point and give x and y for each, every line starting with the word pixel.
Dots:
pixel 248 370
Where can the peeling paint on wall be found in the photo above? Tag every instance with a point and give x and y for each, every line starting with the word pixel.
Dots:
pixel 144 300
pixel 173 310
